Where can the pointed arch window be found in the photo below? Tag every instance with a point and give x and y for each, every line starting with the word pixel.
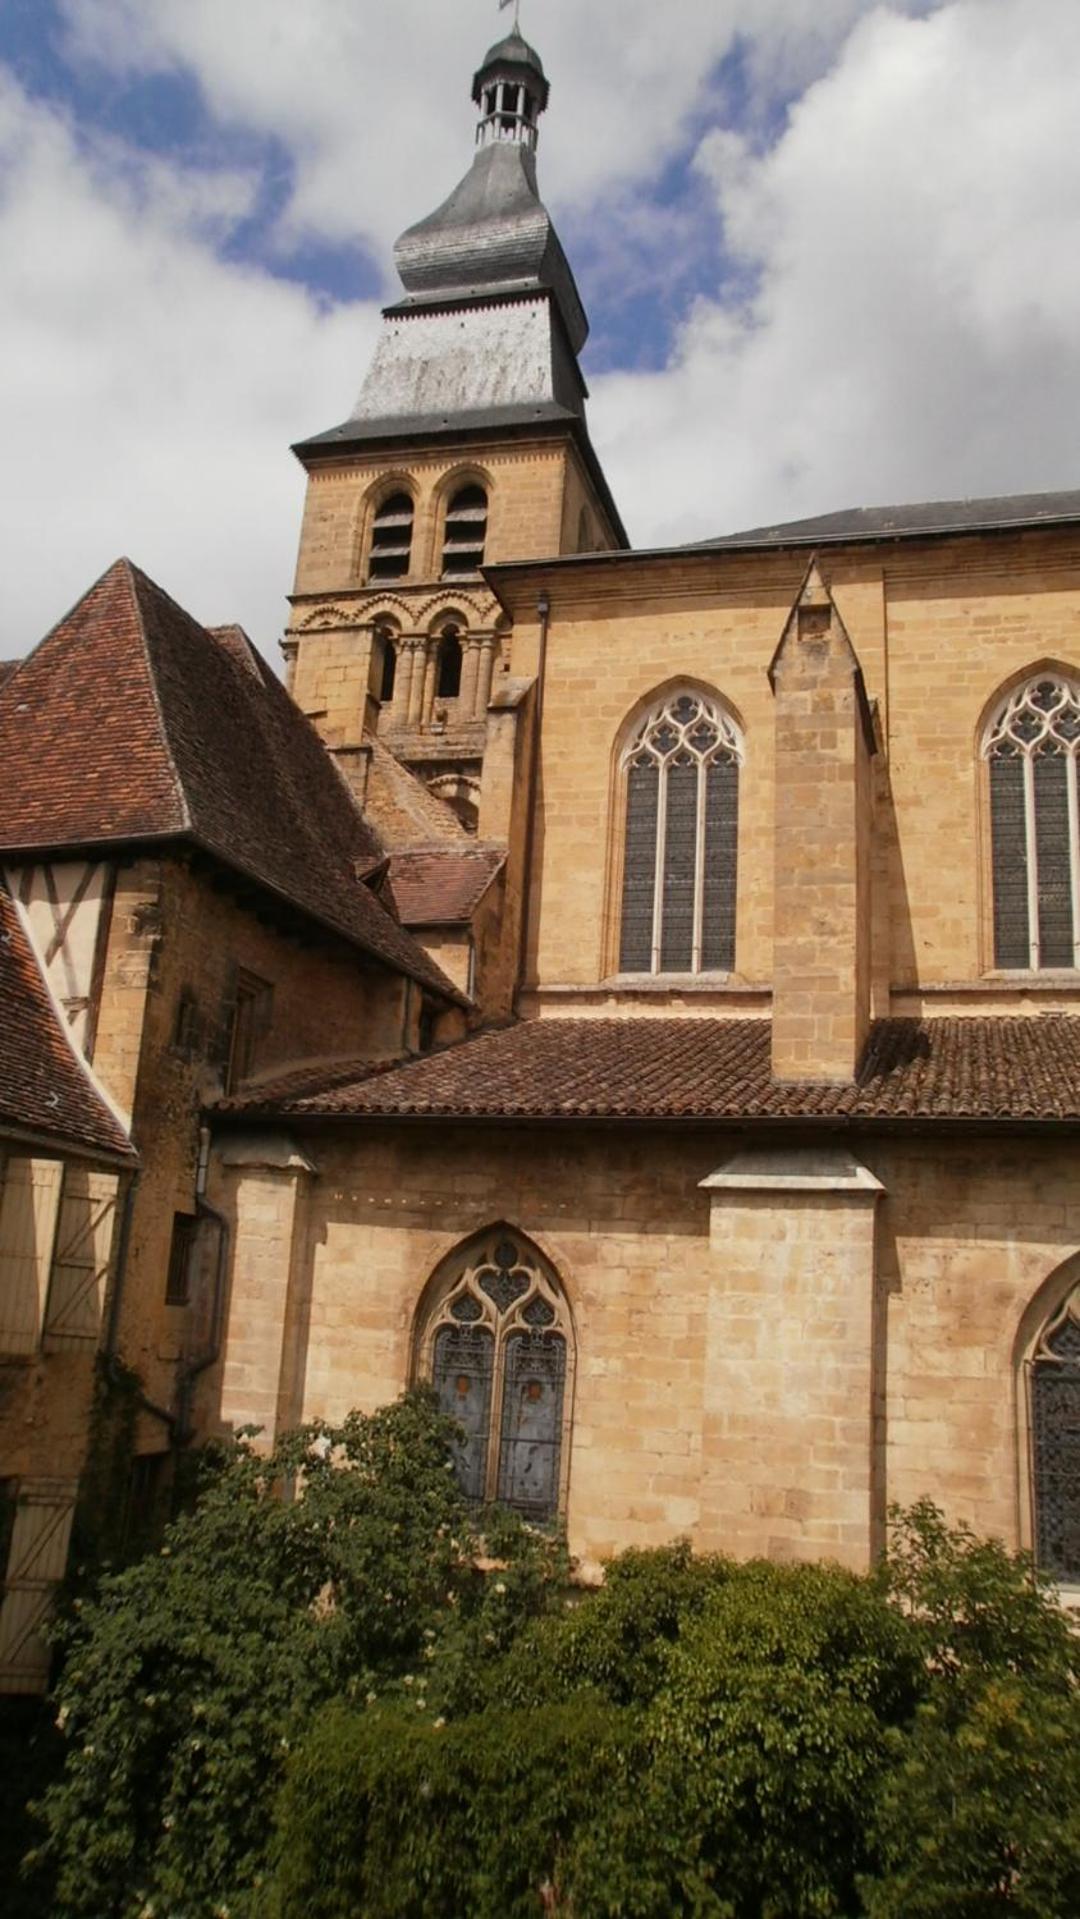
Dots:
pixel 681 771
pixel 497 1347
pixel 391 538
pixel 1055 1443
pixel 465 533
pixel 1031 748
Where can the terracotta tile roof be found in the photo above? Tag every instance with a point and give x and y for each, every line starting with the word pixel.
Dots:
pixel 45 1091
pixel 402 808
pixel 942 1069
pixel 442 885
pixel 7 668
pixel 131 722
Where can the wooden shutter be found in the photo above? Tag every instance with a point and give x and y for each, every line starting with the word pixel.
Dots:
pixel 721 853
pixel 680 862
pixel 36 1563
pixel 639 869
pixel 80 1267
pixel 1009 846
pixel 28 1210
pixel 1050 771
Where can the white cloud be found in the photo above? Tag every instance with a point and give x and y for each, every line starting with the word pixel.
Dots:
pixel 150 391
pixel 912 236
pixel 372 99
pixel 916 237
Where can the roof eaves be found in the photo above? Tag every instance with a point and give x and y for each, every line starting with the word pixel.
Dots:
pixel 498 570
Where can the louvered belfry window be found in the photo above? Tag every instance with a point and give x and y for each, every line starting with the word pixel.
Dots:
pixel 465 533
pixel 497 1346
pixel 1055 1444
pixel 1031 747
pixel 679 856
pixel 391 538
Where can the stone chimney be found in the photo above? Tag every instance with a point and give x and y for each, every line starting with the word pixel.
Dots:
pixel 821 936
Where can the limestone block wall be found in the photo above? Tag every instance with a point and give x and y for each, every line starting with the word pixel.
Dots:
pixel 938 627
pixel 179 937
pixel 761 1374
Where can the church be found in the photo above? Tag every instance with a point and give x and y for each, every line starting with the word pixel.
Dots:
pixel 635 991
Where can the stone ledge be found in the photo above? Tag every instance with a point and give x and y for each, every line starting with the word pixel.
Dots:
pixel 807 1169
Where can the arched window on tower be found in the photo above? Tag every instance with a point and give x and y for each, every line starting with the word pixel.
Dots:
pixel 448 679
pixel 384 665
pixel 496 1343
pixel 1055 1443
pixel 465 533
pixel 391 538
pixel 681 772
pixel 1030 747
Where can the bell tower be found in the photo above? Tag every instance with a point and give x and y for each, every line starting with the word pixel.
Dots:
pixel 467 444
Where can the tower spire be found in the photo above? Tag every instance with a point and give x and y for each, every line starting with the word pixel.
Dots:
pixel 511 90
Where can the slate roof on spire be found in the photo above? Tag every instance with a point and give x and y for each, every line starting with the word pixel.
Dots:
pixel 512 51
pixel 132 723
pixel 492 235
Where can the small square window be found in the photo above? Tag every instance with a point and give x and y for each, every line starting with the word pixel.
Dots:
pixel 252 1001
pixel 178 1283
pixel 186 1026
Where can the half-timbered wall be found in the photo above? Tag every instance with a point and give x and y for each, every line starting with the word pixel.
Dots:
pixel 67 904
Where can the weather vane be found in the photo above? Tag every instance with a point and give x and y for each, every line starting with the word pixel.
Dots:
pixel 516 4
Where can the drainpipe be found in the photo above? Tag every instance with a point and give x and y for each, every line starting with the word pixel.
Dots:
pixel 112 1325
pixel 195 1367
pixel 543 612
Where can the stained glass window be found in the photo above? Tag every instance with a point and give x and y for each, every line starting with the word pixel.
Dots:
pixel 1031 747
pixel 681 770
pixel 1055 1439
pixel 498 1346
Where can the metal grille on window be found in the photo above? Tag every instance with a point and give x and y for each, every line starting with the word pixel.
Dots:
pixel 1031 748
pixel 391 538
pixel 1055 1437
pixel 499 1349
pixel 465 533
pixel 679 853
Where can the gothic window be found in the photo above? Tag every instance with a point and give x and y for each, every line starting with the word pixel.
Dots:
pixel 391 538
pixel 448 679
pixel 681 771
pixel 497 1347
pixel 1055 1444
pixel 465 533
pixel 1031 747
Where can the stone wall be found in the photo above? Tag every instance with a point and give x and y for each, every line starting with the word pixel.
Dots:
pixel 938 629
pixel 762 1372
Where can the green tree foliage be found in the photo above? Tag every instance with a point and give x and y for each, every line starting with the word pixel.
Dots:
pixel 369 1702
pixel 188 1678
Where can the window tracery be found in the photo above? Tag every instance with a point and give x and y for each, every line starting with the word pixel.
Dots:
pixel 497 1347
pixel 681 770
pixel 1055 1443
pixel 1031 748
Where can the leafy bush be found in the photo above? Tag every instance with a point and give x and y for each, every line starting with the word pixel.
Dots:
pixel 190 1675
pixel 372 1700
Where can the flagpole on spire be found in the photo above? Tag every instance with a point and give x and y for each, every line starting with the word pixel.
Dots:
pixel 516 4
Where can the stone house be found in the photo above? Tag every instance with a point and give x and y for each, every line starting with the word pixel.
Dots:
pixel 636 991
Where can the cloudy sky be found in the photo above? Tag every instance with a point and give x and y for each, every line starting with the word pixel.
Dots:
pixel 831 254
